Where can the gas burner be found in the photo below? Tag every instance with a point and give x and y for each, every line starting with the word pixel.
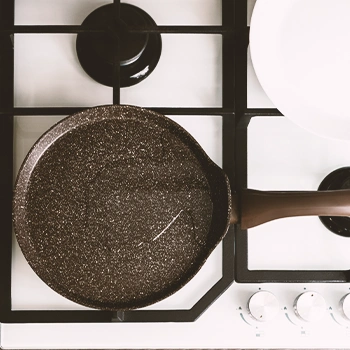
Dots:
pixel 139 52
pixel 336 180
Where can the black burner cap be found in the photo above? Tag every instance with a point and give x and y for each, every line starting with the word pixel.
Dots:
pixel 337 180
pixel 139 52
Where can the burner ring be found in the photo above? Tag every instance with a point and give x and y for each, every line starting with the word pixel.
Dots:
pixel 139 52
pixel 337 180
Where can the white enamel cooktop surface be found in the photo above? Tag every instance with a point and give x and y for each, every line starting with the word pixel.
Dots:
pixel 280 157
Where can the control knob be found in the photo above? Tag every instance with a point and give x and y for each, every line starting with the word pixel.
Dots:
pixel 263 306
pixel 310 306
pixel 345 306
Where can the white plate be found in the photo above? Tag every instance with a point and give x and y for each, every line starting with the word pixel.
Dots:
pixel 301 54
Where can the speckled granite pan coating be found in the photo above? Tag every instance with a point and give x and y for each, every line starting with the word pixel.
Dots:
pixel 118 207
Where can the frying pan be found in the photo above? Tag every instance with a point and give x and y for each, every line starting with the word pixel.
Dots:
pixel 118 207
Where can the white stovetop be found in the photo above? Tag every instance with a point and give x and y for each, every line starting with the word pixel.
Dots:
pixel 280 156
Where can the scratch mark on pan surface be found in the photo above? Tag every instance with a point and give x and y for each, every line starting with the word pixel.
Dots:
pixel 171 222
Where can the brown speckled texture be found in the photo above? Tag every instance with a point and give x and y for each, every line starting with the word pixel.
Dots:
pixel 117 207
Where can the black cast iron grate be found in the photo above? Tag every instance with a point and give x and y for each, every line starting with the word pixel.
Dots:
pixel 235 120
pixel 229 31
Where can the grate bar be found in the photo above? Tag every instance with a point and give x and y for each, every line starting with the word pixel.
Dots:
pixel 262 112
pixel 116 57
pixel 6 155
pixel 74 29
pixel 30 111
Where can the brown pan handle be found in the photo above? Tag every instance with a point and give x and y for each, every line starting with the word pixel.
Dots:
pixel 257 207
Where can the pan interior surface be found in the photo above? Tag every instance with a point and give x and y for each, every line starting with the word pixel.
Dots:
pixel 114 207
